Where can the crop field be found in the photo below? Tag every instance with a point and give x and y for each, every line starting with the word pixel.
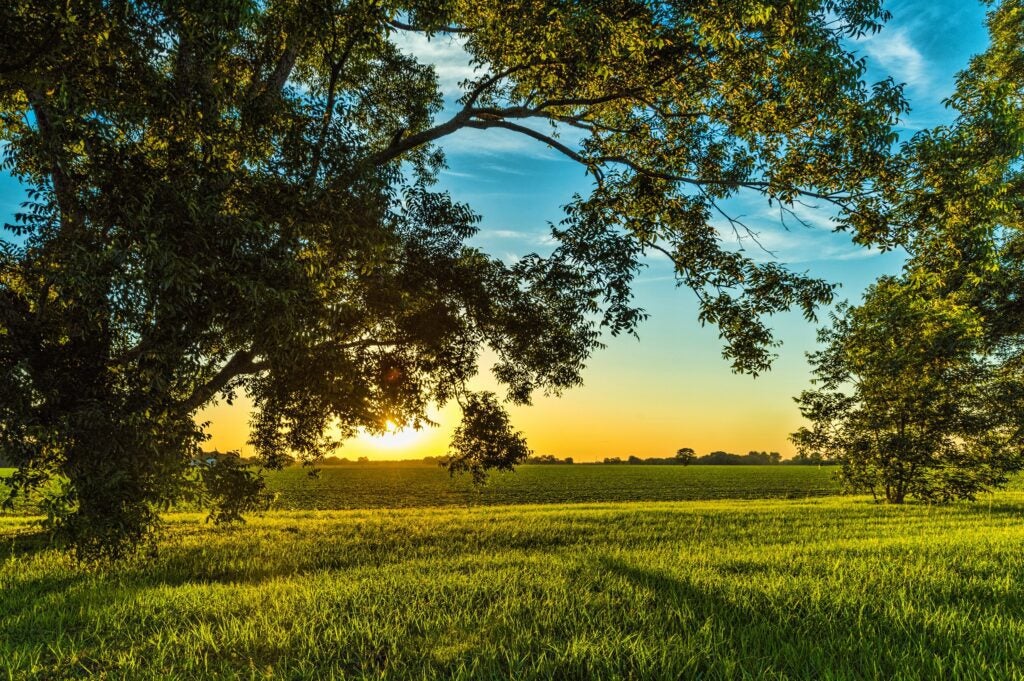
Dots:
pixel 382 486
pixel 816 588
pixel 414 485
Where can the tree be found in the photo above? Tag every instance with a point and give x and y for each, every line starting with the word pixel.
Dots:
pixel 235 196
pixel 936 356
pixel 908 401
pixel 686 456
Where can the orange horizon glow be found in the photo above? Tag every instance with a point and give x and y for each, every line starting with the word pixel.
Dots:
pixel 619 412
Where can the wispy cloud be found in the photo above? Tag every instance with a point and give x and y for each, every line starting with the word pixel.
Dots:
pixel 450 60
pixel 507 234
pixel 802 234
pixel 503 169
pixel 456 173
pixel 896 54
pixel 802 245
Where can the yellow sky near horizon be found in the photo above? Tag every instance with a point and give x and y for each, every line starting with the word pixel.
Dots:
pixel 640 397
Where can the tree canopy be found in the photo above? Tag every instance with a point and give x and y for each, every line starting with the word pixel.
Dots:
pixel 233 195
pixel 908 402
pixel 921 386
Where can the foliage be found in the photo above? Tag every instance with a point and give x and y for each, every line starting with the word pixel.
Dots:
pixel 934 358
pixel 547 459
pixel 231 487
pixel 907 400
pixel 485 439
pixel 752 458
pixel 686 455
pixel 236 195
pixel 830 588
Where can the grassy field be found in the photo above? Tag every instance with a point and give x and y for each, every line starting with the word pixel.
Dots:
pixel 807 588
pixel 376 486
pixel 821 588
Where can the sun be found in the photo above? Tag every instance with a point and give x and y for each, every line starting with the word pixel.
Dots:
pixel 394 437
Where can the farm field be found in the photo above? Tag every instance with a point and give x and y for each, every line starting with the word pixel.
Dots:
pixel 832 587
pixel 397 486
pixel 416 485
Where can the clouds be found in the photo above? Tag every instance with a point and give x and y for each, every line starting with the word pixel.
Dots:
pixel 896 54
pixel 807 235
pixel 453 65
pixel 924 45
pixel 451 62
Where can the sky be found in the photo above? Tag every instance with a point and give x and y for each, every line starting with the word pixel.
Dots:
pixel 670 388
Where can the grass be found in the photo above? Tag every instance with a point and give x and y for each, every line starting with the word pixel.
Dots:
pixel 813 588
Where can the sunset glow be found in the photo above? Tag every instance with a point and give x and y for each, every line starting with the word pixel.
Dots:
pixel 394 437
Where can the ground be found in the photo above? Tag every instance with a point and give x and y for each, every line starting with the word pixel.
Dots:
pixel 812 587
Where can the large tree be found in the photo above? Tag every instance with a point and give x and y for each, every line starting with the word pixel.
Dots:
pixel 235 195
pixel 921 387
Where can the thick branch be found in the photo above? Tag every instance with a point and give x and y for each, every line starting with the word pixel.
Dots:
pixel 242 363
pixel 540 137
pixel 399 145
pixel 493 117
pixel 332 86
pixel 834 198
pixel 62 185
pixel 239 365
pixel 263 93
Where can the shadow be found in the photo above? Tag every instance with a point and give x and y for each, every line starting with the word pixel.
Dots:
pixel 750 632
pixel 751 623
pixel 22 544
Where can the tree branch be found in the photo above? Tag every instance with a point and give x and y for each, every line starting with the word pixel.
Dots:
pixel 540 137
pixel 62 185
pixel 262 93
pixel 239 365
pixel 402 26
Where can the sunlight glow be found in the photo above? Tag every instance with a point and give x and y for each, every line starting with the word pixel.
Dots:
pixel 394 437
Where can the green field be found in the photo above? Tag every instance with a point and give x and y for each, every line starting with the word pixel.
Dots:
pixel 821 587
pixel 381 486
pixel 413 485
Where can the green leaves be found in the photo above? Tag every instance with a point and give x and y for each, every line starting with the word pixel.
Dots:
pixel 485 439
pixel 908 401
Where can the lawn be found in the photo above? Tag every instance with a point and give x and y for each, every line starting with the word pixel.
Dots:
pixel 833 587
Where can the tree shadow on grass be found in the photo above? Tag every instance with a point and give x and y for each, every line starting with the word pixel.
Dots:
pixel 25 543
pixel 752 633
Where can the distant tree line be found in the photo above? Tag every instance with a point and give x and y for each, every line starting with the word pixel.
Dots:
pixel 687 456
pixel 683 457
pixel 548 459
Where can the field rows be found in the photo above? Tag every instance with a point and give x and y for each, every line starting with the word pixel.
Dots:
pixel 377 486
pixel 418 485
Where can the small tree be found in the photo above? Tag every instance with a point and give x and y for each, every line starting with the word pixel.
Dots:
pixel 908 401
pixel 686 456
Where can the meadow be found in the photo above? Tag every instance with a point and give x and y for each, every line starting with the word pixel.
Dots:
pixel 807 588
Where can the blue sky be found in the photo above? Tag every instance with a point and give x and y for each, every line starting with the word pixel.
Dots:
pixel 672 383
